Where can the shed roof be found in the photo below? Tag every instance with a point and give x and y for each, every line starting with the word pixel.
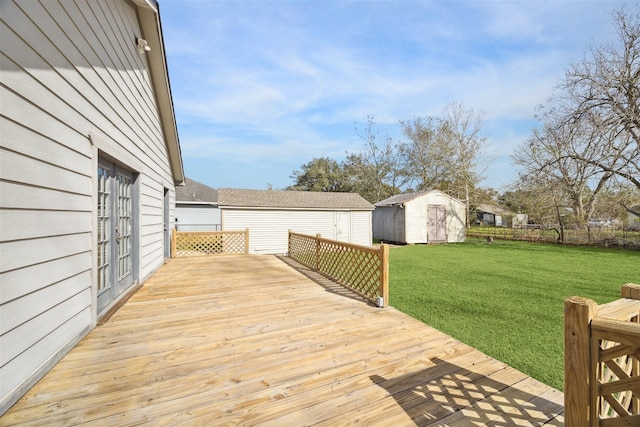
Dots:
pixel 196 192
pixel 230 197
pixel 400 199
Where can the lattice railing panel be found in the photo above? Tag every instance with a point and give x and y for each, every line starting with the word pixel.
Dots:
pixel 197 243
pixel 359 268
pixel 303 249
pixel 617 358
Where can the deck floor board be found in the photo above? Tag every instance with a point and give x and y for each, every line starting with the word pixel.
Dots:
pixel 253 340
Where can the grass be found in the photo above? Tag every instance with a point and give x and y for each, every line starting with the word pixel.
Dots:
pixel 506 298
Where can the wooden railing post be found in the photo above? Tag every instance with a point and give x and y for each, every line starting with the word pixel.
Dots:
pixel 631 291
pixel 578 403
pixel 173 243
pixel 384 274
pixel 246 241
pixel 318 252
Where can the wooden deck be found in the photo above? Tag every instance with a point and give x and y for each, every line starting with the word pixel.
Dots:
pixel 252 340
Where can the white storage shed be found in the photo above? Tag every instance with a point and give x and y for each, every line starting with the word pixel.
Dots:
pixel 422 217
pixel 269 215
pixel 197 207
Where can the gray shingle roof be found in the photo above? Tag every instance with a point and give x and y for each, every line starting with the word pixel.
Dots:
pixel 230 197
pixel 400 199
pixel 193 191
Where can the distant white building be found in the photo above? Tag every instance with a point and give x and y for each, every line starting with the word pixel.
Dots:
pixel 197 207
pixel 491 215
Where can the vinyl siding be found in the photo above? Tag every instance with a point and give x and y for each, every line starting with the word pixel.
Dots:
pixel 198 218
pixel 268 229
pixel 388 224
pixel 68 69
pixel 409 224
pixel 361 228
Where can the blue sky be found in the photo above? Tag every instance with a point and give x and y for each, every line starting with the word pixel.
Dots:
pixel 262 87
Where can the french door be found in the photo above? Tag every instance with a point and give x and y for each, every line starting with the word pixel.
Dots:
pixel 116 232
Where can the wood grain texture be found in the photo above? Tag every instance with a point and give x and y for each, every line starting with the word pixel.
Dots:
pixel 253 340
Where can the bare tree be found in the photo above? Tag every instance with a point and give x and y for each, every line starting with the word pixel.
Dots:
pixel 376 172
pixel 442 152
pixel 604 89
pixel 555 155
pixel 543 200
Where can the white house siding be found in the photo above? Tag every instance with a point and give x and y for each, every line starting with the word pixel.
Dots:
pixel 68 70
pixel 415 213
pixel 361 228
pixel 268 229
pixel 198 218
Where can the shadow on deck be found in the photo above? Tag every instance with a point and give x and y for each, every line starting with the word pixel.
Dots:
pixel 252 340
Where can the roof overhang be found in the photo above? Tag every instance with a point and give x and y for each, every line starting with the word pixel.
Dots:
pixel 280 208
pixel 183 202
pixel 149 15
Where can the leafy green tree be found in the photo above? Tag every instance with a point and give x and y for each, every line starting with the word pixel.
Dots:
pixel 321 174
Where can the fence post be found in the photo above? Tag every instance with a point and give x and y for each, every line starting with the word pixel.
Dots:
pixel 384 274
pixel 578 381
pixel 246 241
pixel 631 291
pixel 318 252
pixel 173 243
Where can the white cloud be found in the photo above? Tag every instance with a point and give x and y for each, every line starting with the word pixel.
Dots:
pixel 286 80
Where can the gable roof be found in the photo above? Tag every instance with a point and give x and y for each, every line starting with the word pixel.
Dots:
pixel 491 209
pixel 196 192
pixel 149 13
pixel 236 198
pixel 400 199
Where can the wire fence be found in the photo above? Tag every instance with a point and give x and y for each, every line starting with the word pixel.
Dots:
pixel 602 236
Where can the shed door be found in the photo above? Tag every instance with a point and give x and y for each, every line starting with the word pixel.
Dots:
pixel 115 232
pixel 436 224
pixel 343 226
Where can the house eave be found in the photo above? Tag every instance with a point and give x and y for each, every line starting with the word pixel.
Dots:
pixel 281 208
pixel 149 15
pixel 183 202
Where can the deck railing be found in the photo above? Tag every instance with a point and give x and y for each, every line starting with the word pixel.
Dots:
pixel 197 243
pixel 361 269
pixel 602 361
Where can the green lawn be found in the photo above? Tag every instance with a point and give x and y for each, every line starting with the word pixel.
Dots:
pixel 506 298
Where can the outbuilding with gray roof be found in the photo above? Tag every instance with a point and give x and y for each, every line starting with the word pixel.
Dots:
pixel 270 214
pixel 429 216
pixel 197 207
